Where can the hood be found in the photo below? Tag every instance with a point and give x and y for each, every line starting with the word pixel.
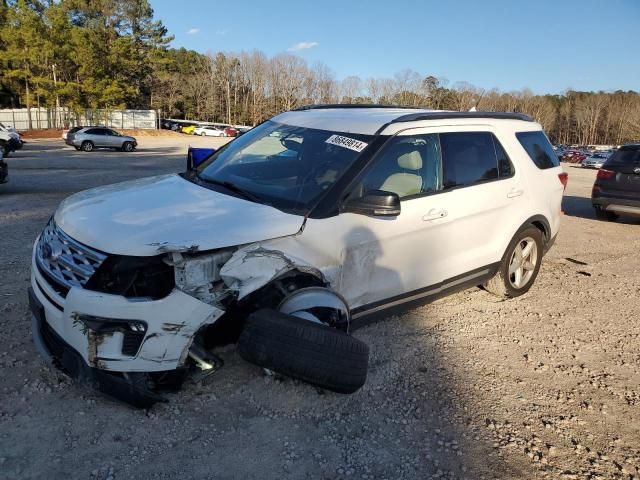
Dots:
pixel 167 213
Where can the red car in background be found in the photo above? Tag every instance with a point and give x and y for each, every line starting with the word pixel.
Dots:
pixel 573 156
pixel 230 132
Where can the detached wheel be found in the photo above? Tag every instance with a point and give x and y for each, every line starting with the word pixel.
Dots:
pixel 519 266
pixel 5 150
pixel 602 214
pixel 309 351
pixel 87 146
pixel 127 147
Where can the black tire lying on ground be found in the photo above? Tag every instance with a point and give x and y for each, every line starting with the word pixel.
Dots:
pixel 305 350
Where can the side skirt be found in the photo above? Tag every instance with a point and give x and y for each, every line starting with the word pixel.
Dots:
pixel 373 312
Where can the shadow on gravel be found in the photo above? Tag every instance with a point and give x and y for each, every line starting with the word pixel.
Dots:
pixel 582 207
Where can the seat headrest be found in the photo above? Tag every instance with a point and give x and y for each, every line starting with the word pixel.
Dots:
pixel 411 160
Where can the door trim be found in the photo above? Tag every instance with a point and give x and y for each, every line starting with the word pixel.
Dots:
pixel 365 313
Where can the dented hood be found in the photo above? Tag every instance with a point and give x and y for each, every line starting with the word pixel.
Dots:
pixel 167 213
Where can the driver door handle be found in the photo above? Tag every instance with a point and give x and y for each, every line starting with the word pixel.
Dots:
pixel 514 192
pixel 434 215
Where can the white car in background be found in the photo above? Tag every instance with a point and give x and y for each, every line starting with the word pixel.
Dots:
pixel 209 131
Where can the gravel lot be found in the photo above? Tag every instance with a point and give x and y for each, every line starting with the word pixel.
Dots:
pixel 543 386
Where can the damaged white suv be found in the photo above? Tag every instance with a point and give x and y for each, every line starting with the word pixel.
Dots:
pixel 286 238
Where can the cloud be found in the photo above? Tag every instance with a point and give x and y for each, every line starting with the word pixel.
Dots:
pixel 222 33
pixel 302 46
pixel 193 31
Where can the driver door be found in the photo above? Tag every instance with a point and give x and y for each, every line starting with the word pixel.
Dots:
pixel 385 260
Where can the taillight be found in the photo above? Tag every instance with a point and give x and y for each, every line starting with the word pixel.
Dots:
pixel 605 174
pixel 564 178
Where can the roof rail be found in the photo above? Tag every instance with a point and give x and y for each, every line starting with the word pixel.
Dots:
pixel 321 106
pixel 412 117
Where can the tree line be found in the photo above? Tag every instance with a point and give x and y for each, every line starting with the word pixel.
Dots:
pixel 113 54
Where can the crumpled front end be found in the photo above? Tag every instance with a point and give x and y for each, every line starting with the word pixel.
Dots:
pixel 86 331
pixel 122 320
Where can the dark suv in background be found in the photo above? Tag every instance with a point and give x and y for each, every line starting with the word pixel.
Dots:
pixel 617 187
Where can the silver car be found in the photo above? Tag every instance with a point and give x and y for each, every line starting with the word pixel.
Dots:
pixel 89 138
pixel 594 161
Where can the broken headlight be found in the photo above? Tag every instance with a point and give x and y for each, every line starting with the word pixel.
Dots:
pixel 133 277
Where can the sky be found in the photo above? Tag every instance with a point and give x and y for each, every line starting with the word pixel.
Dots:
pixel 547 46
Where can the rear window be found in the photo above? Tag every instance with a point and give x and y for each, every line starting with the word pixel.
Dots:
pixel 472 157
pixel 539 149
pixel 625 156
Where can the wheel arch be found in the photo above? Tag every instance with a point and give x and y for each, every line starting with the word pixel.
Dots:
pixel 538 221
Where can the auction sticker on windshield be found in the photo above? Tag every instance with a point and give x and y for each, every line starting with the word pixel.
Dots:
pixel 346 142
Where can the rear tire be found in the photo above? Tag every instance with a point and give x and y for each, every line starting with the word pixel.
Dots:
pixel 127 147
pixel 519 266
pixel 87 146
pixel 602 214
pixel 309 351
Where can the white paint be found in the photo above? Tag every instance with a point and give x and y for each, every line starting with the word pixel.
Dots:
pixel 252 267
pixel 347 120
pixel 167 213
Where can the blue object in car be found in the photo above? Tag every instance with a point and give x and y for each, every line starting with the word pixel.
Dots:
pixel 195 156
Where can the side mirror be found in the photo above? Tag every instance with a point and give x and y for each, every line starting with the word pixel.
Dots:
pixel 195 156
pixel 375 203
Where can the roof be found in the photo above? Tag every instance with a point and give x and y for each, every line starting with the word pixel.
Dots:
pixel 370 119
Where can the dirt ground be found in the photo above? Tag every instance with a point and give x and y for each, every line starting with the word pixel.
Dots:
pixel 543 386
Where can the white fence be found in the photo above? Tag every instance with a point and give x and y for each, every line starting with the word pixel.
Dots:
pixel 18 118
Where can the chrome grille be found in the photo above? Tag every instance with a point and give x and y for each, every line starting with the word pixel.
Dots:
pixel 66 261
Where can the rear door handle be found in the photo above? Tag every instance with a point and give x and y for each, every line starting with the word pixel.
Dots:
pixel 513 193
pixel 435 215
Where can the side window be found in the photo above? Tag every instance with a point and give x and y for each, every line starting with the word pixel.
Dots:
pixel 472 157
pixel 407 166
pixel 96 131
pixel 539 149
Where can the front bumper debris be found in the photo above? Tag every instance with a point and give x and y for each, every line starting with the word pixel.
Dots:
pixel 128 388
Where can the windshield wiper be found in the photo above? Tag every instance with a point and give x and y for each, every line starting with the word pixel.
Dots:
pixel 234 188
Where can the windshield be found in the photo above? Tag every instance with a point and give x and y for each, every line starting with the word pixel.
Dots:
pixel 285 166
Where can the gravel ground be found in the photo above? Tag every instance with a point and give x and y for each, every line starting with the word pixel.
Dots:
pixel 543 386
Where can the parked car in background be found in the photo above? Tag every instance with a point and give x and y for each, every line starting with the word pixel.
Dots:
pixel 573 156
pixel 230 132
pixel 617 187
pixel 72 130
pixel 10 141
pixel 243 130
pixel 594 161
pixel 90 138
pixel 209 131
pixel 188 128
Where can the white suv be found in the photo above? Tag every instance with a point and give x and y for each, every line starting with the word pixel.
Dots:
pixel 286 238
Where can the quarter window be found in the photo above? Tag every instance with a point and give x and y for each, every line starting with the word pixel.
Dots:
pixel 473 157
pixel 539 149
